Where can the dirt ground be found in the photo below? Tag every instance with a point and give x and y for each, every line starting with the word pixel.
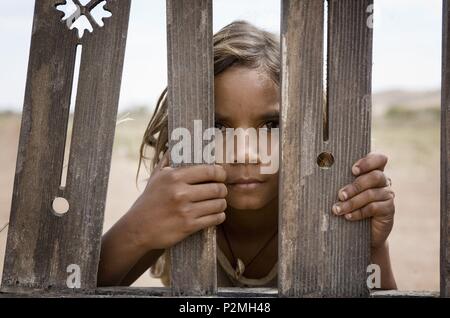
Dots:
pixel 409 139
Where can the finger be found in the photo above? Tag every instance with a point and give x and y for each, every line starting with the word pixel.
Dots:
pixel 373 179
pixel 201 173
pixel 389 182
pixel 207 191
pixel 361 199
pixel 372 209
pixel 370 162
pixel 209 220
pixel 164 161
pixel 208 207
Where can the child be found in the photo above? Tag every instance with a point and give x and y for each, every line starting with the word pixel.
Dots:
pixel 236 197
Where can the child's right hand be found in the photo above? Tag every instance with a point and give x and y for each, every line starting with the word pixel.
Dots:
pixel 178 202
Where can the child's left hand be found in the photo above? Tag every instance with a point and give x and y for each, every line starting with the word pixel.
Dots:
pixel 369 196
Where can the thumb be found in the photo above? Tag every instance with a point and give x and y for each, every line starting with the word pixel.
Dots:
pixel 164 161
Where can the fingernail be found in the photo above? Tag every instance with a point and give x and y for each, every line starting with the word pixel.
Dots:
pixel 356 170
pixel 348 216
pixel 336 209
pixel 343 195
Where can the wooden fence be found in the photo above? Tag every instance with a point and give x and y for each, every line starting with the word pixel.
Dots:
pixel 319 256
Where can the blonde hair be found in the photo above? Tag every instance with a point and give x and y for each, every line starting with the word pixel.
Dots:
pixel 238 43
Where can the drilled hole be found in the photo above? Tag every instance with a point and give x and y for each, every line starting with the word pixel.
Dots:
pixel 60 206
pixel 325 160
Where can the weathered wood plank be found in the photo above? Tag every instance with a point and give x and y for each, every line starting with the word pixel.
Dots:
pixel 191 97
pixel 347 244
pixel 322 255
pixel 151 292
pixel 41 244
pixel 135 292
pixel 403 294
pixel 301 107
pixel 165 292
pixel 445 154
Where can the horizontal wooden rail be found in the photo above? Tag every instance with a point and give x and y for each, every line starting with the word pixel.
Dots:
pixel 151 292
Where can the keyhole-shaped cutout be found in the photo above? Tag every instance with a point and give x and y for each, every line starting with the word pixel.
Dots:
pixel 78 14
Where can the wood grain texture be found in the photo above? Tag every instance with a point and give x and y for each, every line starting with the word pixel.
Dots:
pixel 445 155
pixel 322 255
pixel 135 292
pixel 301 107
pixel 41 244
pixel 403 294
pixel 191 97
pixel 157 292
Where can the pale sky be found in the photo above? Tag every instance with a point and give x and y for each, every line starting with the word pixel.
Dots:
pixel 407 45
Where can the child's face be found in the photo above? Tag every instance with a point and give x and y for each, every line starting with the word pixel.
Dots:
pixel 247 98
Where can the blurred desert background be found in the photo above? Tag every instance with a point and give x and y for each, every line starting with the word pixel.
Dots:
pixel 406 127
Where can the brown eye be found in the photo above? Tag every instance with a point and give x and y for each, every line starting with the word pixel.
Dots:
pixel 271 124
pixel 220 126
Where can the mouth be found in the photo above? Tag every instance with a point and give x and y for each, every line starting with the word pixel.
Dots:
pixel 246 183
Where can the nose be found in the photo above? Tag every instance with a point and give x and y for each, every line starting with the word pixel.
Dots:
pixel 242 146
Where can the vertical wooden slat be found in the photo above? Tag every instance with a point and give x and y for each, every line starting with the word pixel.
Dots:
pixel 191 97
pixel 41 245
pixel 323 255
pixel 349 102
pixel 301 131
pixel 445 154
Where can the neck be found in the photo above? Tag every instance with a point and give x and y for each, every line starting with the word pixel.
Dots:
pixel 252 222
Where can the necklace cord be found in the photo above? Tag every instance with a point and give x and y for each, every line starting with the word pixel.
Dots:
pixel 254 257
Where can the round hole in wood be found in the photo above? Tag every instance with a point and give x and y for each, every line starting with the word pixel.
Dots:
pixel 60 206
pixel 325 160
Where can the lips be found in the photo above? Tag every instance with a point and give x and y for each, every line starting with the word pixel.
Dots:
pixel 246 183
